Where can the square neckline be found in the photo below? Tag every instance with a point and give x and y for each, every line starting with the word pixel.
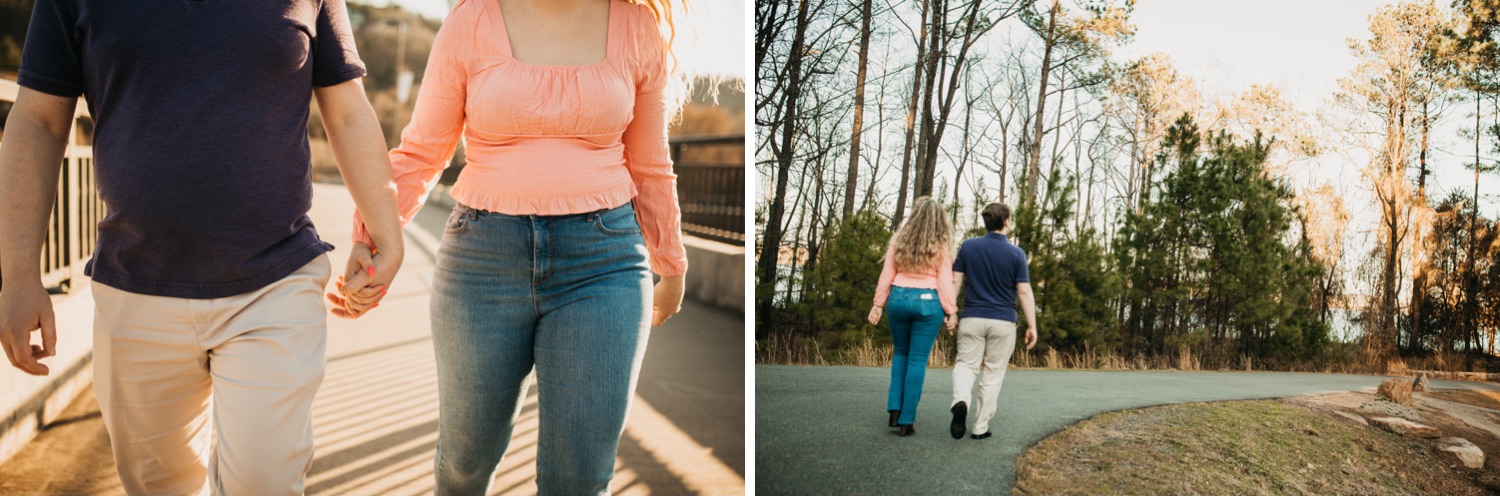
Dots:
pixel 610 43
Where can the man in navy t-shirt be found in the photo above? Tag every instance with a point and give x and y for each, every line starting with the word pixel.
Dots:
pixel 992 274
pixel 208 277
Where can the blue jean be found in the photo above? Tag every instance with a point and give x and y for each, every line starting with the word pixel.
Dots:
pixel 915 316
pixel 568 295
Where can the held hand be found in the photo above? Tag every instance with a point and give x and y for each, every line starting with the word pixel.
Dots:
pixel 366 280
pixel 1030 337
pixel 875 312
pixel 23 311
pixel 951 322
pixel 667 299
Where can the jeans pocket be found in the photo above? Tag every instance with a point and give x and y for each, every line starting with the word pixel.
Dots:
pixel 618 221
pixel 459 219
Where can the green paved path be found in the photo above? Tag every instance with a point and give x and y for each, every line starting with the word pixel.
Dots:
pixel 822 430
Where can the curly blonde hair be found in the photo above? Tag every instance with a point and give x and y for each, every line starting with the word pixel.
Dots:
pixel 923 239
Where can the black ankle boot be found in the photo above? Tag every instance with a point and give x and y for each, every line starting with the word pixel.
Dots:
pixel 907 430
pixel 895 414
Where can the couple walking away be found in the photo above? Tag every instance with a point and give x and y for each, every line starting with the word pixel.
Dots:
pixel 208 279
pixel 919 284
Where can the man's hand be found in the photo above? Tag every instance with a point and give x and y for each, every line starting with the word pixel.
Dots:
pixel 666 299
pixel 952 322
pixel 1030 337
pixel 23 311
pixel 366 280
pixel 359 148
pixel 874 317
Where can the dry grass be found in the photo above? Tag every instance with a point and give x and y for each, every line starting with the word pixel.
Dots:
pixel 796 349
pixel 1233 448
pixel 801 350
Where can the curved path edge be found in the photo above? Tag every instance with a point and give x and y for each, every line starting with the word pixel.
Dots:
pixel 821 430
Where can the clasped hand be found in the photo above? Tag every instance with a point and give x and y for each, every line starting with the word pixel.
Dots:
pixel 366 280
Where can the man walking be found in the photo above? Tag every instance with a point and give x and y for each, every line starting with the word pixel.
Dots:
pixel 997 280
pixel 208 277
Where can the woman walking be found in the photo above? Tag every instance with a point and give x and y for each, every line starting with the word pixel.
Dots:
pixel 917 286
pixel 567 195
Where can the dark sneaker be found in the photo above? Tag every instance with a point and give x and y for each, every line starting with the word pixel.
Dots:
pixel 960 419
pixel 980 436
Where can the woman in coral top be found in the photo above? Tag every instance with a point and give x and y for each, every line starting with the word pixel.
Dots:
pixel 917 286
pixel 566 206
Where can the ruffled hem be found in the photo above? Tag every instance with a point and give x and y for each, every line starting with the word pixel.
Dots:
pixel 547 206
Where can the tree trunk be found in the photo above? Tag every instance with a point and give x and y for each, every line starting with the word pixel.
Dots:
pixel 1033 168
pixel 852 182
pixel 911 118
pixel 1419 271
pixel 771 241
pixel 937 55
pixel 1470 320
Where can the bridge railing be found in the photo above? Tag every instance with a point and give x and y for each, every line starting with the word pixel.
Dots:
pixel 72 231
pixel 711 186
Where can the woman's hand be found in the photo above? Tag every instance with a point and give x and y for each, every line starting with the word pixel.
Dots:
pixel 875 312
pixel 667 299
pixel 365 281
pixel 952 322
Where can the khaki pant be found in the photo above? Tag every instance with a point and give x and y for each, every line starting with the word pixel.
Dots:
pixel 987 342
pixel 167 370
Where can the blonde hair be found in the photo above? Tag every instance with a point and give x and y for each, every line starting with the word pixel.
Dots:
pixel 923 239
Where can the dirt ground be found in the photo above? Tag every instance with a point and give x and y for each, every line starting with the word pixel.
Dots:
pixel 1311 445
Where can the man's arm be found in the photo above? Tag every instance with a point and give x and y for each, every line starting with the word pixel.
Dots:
pixel 1028 305
pixel 359 147
pixel 958 286
pixel 36 134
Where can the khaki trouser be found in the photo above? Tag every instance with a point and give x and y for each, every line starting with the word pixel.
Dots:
pixel 990 342
pixel 169 369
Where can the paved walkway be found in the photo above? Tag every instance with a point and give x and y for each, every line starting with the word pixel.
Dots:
pixel 375 418
pixel 822 430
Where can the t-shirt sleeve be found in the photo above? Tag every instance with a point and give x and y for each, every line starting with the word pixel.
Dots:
pixel 335 58
pixel 1022 274
pixel 52 60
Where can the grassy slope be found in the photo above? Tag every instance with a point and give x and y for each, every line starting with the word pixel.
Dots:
pixel 1232 448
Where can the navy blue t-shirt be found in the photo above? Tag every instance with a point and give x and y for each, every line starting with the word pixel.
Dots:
pixel 200 114
pixel 992 267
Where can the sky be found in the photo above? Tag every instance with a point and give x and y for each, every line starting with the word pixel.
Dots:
pixel 1301 47
pixel 711 37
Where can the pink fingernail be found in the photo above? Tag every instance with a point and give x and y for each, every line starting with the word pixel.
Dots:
pixel 370 270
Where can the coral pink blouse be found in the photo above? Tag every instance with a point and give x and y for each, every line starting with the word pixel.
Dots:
pixel 546 140
pixel 939 276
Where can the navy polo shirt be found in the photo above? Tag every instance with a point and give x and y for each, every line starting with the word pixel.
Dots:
pixel 992 267
pixel 200 114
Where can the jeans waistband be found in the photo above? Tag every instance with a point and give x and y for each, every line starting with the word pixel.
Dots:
pixel 475 213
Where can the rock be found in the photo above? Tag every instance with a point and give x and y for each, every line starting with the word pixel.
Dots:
pixel 1351 416
pixel 1419 385
pixel 1405 427
pixel 1466 452
pixel 1397 390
